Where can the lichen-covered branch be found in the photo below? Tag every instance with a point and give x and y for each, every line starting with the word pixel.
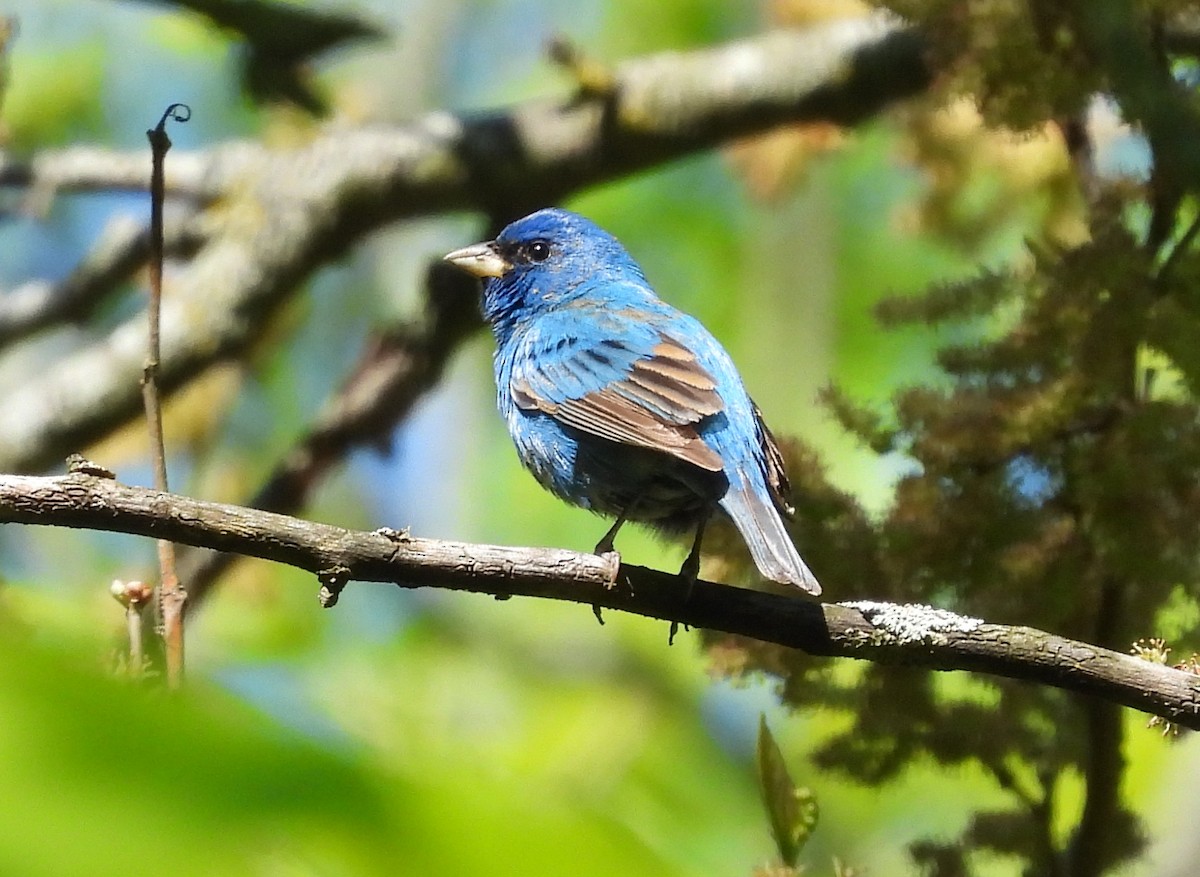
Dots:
pixel 915 635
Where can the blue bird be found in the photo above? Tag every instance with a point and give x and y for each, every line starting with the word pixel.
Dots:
pixel 621 404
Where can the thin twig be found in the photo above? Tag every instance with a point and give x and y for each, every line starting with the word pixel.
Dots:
pixel 171 594
pixel 133 621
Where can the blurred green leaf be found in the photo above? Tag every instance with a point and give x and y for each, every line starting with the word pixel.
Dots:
pixel 101 778
pixel 54 97
pixel 793 812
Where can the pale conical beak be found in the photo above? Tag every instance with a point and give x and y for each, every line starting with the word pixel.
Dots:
pixel 482 260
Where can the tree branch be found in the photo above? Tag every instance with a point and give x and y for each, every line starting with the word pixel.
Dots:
pixel 395 370
pixel 284 212
pixel 881 632
pixel 119 251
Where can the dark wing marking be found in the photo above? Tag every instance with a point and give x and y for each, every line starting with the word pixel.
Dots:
pixel 777 479
pixel 655 405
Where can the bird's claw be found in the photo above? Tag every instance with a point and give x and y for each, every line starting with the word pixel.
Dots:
pixel 675 625
pixel 689 573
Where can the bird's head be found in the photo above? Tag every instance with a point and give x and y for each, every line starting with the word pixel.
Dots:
pixel 546 258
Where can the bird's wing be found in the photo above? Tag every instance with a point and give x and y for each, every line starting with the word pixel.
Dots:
pixel 651 399
pixel 777 480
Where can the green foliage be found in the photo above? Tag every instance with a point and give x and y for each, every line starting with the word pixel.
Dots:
pixel 54 98
pixel 463 745
pixel 140 779
pixel 1047 488
pixel 995 49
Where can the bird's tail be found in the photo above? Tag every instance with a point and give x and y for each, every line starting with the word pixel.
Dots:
pixel 770 546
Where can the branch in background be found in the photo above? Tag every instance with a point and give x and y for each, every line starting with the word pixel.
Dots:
pixel 196 175
pixel 881 632
pixel 395 371
pixel 286 212
pixel 281 41
pixel 120 250
pixel 1082 152
pixel 661 107
pixel 1117 37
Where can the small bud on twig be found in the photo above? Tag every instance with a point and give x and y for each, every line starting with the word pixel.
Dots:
pixel 131 594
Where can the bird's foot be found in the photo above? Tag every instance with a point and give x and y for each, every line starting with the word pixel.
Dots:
pixel 605 545
pixel 675 625
pixel 594 78
pixel 689 573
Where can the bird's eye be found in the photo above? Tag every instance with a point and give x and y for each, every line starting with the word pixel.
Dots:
pixel 538 251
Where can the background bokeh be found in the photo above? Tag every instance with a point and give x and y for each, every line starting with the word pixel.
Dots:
pixel 441 733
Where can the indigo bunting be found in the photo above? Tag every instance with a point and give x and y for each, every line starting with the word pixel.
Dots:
pixel 621 404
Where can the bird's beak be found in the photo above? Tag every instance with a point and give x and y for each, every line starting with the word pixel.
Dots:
pixel 482 260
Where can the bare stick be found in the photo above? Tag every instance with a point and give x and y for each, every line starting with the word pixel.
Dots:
pixel 171 594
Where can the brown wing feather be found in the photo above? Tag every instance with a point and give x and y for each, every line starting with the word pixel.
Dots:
pixel 672 381
pixel 655 407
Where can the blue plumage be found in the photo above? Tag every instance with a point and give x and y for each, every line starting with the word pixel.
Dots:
pixel 619 403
